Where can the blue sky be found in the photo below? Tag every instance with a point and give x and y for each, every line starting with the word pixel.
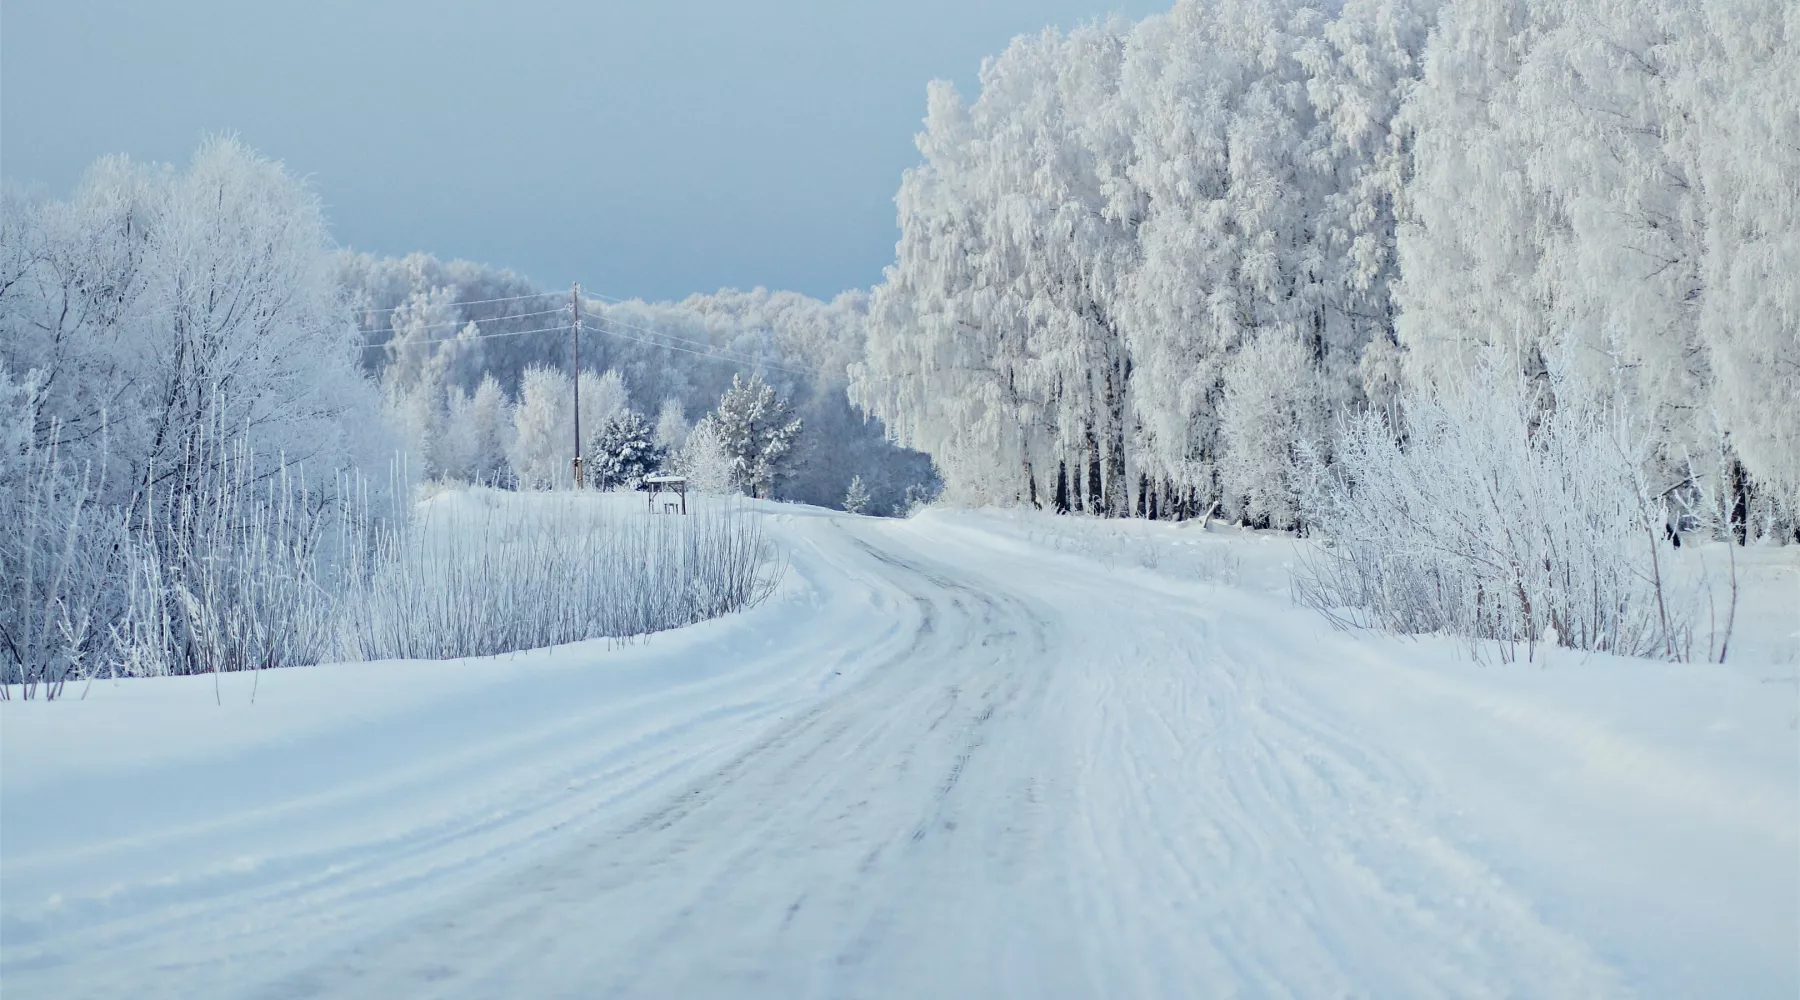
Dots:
pixel 646 149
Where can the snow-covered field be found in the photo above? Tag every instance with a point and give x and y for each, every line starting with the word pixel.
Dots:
pixel 969 754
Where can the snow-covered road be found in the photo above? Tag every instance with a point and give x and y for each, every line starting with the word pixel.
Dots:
pixel 945 760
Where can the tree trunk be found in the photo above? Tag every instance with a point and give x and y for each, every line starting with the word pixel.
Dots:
pixel 1095 484
pixel 1739 488
pixel 1118 490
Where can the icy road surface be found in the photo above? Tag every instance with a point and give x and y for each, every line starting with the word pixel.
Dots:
pixel 946 760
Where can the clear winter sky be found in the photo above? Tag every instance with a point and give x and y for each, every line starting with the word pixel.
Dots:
pixel 645 148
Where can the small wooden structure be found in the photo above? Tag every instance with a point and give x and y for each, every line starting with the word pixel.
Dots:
pixel 664 484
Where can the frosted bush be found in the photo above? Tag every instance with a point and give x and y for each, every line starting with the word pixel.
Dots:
pixel 58 557
pixel 254 571
pixel 525 571
pixel 1505 511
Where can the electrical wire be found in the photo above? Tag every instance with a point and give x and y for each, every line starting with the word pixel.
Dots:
pixel 700 349
pixel 471 302
pixel 714 355
pixel 724 352
pixel 711 355
pixel 459 323
pixel 708 345
pixel 480 336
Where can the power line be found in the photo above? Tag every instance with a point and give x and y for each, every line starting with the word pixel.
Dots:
pixel 471 302
pixel 700 349
pixel 711 350
pixel 466 322
pixel 712 355
pixel 714 349
pixel 482 336
pixel 659 333
pixel 614 298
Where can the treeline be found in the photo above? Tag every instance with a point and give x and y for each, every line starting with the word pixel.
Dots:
pixel 1155 267
pixel 474 363
pixel 211 420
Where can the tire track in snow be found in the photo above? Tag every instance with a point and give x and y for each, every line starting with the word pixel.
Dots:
pixel 825 815
pixel 1044 783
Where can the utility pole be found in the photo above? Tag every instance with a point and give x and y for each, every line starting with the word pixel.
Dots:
pixel 575 335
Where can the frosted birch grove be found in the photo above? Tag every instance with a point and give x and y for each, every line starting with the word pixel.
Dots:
pixel 1141 267
pixel 1151 266
pixel 1611 187
pixel 191 394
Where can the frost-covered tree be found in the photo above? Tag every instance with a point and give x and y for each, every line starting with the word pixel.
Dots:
pixel 543 444
pixel 194 382
pixel 856 498
pixel 543 447
pixel 1600 188
pixel 421 382
pixel 705 461
pixel 1271 417
pixel 758 431
pixel 1123 210
pixel 622 452
pixel 478 433
pixel 671 425
pixel 603 397
pixel 804 347
pixel 162 306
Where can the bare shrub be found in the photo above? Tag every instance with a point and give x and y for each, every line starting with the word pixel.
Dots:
pixel 225 574
pixel 254 569
pixel 59 553
pixel 526 571
pixel 1499 511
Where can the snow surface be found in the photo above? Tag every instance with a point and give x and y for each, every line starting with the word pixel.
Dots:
pixel 968 754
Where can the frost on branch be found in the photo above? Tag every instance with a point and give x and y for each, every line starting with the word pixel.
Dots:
pixel 1500 509
pixel 758 431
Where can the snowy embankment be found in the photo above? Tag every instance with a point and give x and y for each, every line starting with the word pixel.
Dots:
pixel 967 754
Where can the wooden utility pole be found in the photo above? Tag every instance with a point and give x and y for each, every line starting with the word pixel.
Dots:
pixel 575 335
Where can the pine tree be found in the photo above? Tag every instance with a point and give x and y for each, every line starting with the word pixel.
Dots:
pixel 623 452
pixel 758 432
pixel 856 498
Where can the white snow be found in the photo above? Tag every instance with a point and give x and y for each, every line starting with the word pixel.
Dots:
pixel 968 754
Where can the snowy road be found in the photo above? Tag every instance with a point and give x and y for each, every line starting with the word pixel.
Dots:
pixel 945 761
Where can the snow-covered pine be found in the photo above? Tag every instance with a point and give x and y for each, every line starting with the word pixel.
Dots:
pixel 622 452
pixel 856 498
pixel 758 431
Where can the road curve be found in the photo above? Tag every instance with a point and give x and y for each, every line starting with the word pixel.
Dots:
pixel 1006 774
